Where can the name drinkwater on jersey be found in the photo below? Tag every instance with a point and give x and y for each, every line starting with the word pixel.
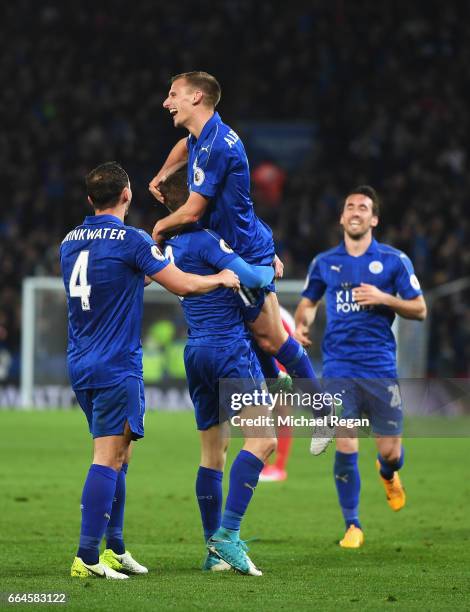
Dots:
pixel 94 234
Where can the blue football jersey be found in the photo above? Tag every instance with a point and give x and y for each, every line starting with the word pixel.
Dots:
pixel 104 263
pixel 215 318
pixel 358 340
pixel 218 169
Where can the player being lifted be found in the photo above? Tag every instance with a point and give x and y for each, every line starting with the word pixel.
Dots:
pixel 104 264
pixel 361 279
pixel 219 198
pixel 219 347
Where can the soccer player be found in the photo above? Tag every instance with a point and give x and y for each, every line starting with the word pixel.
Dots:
pixel 104 265
pixel 366 284
pixel 219 347
pixel 219 198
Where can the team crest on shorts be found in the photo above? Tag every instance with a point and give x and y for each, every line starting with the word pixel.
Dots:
pixel 376 267
pixel 157 253
pixel 199 176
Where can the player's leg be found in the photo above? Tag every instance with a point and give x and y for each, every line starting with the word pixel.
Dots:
pixel 386 415
pixel 97 501
pixel 244 476
pixel 273 339
pixel 390 460
pixel 276 472
pixel 114 530
pixel 132 400
pixel 214 444
pixel 348 486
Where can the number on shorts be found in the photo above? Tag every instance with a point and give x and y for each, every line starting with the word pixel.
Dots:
pixel 78 285
pixel 395 400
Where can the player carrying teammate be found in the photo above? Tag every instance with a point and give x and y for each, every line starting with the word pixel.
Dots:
pixel 219 198
pixel 104 264
pixel 219 347
pixel 362 278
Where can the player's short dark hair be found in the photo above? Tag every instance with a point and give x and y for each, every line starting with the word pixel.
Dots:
pixel 175 189
pixel 204 81
pixel 105 184
pixel 369 192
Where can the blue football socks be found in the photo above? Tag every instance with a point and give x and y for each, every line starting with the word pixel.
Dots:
pixel 209 498
pixel 294 358
pixel 268 362
pixel 97 503
pixel 348 486
pixel 387 469
pixel 244 476
pixel 114 537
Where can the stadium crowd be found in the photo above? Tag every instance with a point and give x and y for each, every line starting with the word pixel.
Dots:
pixel 384 84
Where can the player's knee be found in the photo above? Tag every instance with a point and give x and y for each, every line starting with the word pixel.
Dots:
pixel 214 459
pixel 391 455
pixel 267 345
pixel 263 447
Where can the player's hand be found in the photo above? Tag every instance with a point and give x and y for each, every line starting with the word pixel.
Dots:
pixel 301 334
pixel 368 295
pixel 229 279
pixel 278 267
pixel 158 235
pixel 154 187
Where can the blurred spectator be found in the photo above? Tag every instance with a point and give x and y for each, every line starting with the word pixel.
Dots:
pixel 385 87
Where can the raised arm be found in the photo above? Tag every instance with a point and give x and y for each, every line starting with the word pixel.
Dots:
pixel 176 159
pixel 185 284
pixel 304 317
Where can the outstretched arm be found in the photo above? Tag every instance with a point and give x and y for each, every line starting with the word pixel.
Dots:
pixel 253 277
pixel 185 284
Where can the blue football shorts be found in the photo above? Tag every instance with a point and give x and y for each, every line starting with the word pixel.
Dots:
pixel 206 365
pixel 252 301
pixel 377 399
pixel 108 409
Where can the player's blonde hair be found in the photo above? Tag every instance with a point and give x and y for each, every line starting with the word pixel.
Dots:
pixel 204 81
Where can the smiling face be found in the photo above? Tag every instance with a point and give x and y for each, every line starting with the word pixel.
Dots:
pixel 358 217
pixel 181 102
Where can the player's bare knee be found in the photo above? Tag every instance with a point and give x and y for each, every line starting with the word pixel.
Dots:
pixel 267 345
pixel 390 455
pixel 261 447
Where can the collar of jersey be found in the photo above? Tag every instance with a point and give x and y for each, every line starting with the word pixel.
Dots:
pixel 95 219
pixel 208 127
pixel 372 250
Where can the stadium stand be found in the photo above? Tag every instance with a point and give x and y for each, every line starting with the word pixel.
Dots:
pixel 385 86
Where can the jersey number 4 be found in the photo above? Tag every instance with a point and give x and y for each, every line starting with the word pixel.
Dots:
pixel 78 285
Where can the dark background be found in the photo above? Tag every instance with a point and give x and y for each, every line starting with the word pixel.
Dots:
pixel 385 85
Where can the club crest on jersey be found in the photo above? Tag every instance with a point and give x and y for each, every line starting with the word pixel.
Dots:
pixel 157 253
pixel 376 267
pixel 199 176
pixel 224 246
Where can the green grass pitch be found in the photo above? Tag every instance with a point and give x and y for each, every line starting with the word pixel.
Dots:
pixel 417 559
